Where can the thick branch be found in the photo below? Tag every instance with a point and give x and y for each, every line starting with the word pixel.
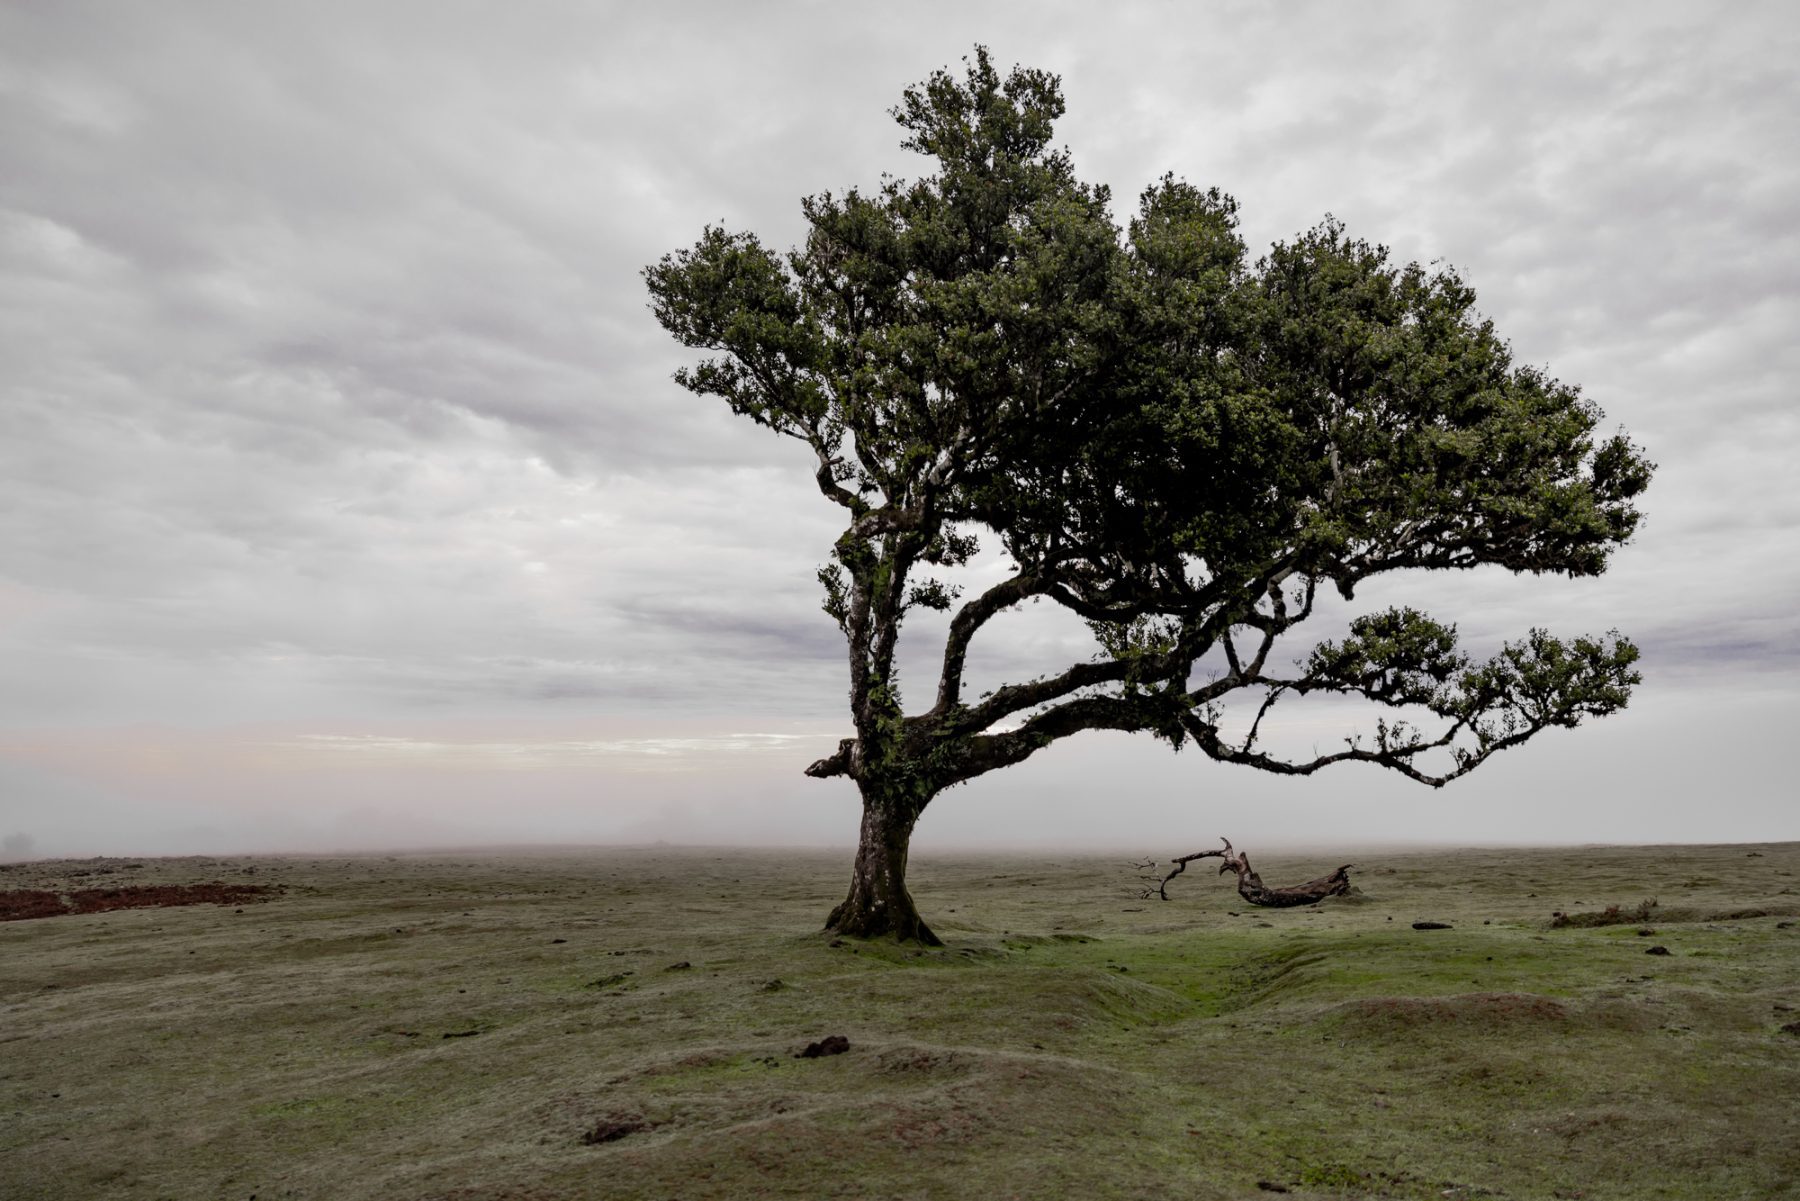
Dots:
pixel 1015 698
pixel 983 753
pixel 840 762
pixel 963 627
pixel 827 478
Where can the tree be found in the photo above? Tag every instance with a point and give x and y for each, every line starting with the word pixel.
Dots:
pixel 1176 444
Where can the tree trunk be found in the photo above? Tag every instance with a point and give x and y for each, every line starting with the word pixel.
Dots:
pixel 879 905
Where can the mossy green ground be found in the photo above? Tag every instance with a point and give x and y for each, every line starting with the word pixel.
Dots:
pixel 450 1027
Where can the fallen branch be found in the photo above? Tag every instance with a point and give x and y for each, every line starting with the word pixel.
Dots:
pixel 1162 886
pixel 1251 887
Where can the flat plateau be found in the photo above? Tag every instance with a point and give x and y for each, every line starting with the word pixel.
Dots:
pixel 555 1026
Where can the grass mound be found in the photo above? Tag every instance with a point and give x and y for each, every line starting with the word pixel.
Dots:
pixel 1490 1012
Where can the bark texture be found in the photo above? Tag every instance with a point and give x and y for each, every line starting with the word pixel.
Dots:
pixel 878 904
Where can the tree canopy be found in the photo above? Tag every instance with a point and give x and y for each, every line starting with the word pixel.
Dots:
pixel 1177 443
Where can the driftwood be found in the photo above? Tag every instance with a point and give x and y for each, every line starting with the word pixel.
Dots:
pixel 1250 885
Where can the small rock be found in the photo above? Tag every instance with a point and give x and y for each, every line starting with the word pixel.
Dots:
pixel 683 966
pixel 1433 926
pixel 775 985
pixel 554 941
pixel 1658 950
pixel 831 1044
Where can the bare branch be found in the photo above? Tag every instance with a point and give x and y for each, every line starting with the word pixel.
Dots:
pixel 1162 887
pixel 963 627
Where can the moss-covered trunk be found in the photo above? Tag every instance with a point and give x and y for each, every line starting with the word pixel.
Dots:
pixel 878 905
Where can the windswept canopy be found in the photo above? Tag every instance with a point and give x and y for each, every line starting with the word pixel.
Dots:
pixel 1173 441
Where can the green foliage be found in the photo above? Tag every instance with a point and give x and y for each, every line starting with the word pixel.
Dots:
pixel 1174 441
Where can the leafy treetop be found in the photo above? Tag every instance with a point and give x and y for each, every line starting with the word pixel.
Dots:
pixel 1176 443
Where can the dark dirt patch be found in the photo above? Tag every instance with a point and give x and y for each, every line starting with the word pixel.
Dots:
pixel 615 1126
pixel 23 903
pixel 831 1044
pixel 1432 926
pixel 1657 950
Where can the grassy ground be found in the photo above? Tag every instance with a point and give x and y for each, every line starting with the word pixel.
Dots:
pixel 434 1028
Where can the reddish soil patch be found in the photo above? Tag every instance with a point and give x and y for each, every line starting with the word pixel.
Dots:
pixel 613 1127
pixel 20 904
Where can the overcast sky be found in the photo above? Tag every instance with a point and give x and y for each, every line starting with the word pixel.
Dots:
pixel 345 499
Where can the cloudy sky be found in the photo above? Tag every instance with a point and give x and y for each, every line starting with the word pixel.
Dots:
pixel 345 499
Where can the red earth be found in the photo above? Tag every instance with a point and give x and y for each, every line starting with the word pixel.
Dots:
pixel 19 904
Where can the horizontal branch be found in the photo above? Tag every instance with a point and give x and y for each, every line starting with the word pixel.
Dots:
pixel 983 753
pixel 1016 698
pixel 1396 758
pixel 839 763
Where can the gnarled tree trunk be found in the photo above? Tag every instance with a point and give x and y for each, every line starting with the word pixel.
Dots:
pixel 878 905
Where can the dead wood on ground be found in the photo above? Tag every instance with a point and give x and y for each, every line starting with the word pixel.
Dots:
pixel 1251 886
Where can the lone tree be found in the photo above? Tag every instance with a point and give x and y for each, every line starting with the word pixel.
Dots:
pixel 1176 444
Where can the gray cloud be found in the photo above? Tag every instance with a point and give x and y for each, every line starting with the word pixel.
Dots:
pixel 327 386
